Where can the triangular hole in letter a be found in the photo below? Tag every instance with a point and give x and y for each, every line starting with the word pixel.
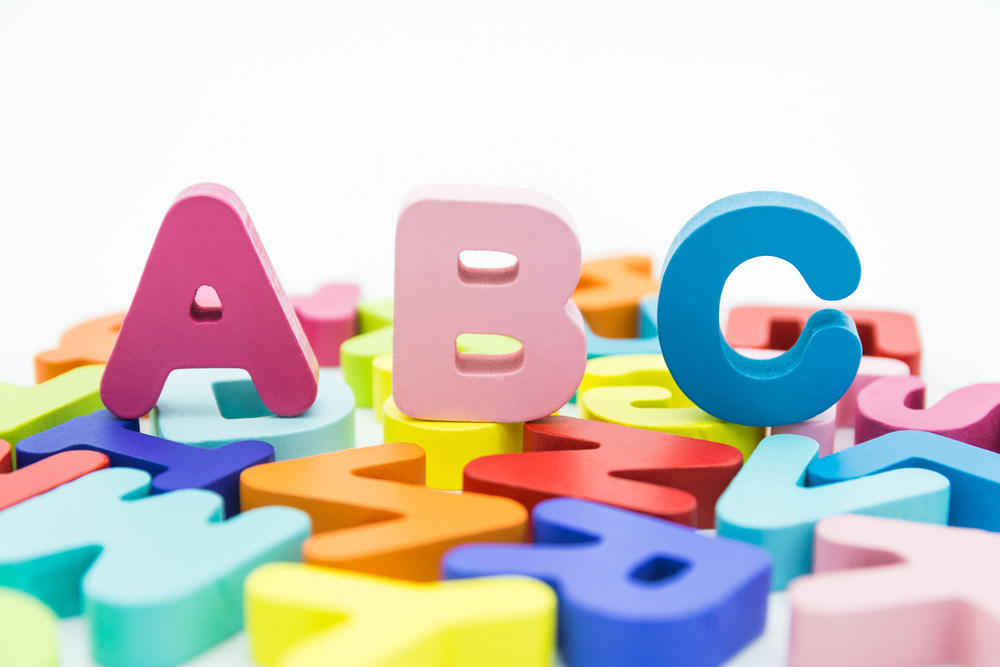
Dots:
pixel 206 306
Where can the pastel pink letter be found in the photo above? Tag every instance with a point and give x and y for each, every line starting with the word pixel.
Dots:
pixel 891 593
pixel 438 298
pixel 207 239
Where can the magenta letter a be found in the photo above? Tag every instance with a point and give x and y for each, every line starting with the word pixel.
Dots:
pixel 208 241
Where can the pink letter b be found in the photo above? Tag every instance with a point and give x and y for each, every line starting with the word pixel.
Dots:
pixel 438 298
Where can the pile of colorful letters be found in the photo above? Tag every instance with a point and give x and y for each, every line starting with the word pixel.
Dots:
pixel 243 503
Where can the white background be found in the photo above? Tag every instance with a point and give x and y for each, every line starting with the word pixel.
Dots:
pixel 633 116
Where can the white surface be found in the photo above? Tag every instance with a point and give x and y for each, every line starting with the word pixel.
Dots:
pixel 633 116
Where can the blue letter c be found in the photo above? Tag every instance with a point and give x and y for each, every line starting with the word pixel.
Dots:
pixel 805 380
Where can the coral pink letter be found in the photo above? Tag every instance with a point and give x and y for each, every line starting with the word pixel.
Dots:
pixel 207 239
pixel 438 298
